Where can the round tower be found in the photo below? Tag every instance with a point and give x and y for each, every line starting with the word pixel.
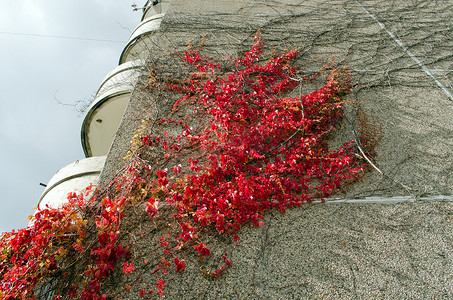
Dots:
pixel 75 177
pixel 106 111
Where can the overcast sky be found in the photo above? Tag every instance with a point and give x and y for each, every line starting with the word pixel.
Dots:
pixel 39 136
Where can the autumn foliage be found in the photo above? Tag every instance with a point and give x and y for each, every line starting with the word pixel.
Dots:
pixel 261 145
pixel 32 255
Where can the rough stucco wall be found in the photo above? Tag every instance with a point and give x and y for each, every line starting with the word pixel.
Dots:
pixel 317 251
pixel 339 250
pixel 415 114
pixel 336 252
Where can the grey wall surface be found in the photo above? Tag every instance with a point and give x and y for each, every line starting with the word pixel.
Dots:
pixel 336 252
pixel 400 55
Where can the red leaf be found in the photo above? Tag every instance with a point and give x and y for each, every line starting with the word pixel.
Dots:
pixel 160 287
pixel 202 250
pixel 152 207
pixel 128 267
pixel 180 265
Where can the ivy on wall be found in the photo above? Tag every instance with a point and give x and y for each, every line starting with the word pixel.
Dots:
pixel 255 149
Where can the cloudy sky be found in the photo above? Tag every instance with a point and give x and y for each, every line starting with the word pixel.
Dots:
pixel 52 51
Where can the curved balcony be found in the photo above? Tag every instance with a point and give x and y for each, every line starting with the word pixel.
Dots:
pixel 141 39
pixel 74 177
pixel 150 9
pixel 105 113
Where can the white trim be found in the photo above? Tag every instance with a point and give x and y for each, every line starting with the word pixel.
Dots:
pixel 389 200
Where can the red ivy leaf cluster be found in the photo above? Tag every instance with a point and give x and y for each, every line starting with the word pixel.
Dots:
pixel 263 146
pixel 35 253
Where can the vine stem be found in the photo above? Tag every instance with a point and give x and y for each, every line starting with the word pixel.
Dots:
pixel 364 156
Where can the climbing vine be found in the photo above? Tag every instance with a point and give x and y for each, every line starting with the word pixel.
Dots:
pixel 257 144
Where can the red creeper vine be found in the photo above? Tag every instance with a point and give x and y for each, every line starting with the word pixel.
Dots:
pixel 257 148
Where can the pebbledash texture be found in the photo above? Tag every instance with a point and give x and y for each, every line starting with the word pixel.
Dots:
pixel 387 235
pixel 395 239
pixel 390 236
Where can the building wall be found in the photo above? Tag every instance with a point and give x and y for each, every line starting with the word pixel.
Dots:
pixel 414 112
pixel 323 251
pixel 334 251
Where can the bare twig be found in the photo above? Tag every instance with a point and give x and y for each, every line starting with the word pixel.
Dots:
pixel 364 156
